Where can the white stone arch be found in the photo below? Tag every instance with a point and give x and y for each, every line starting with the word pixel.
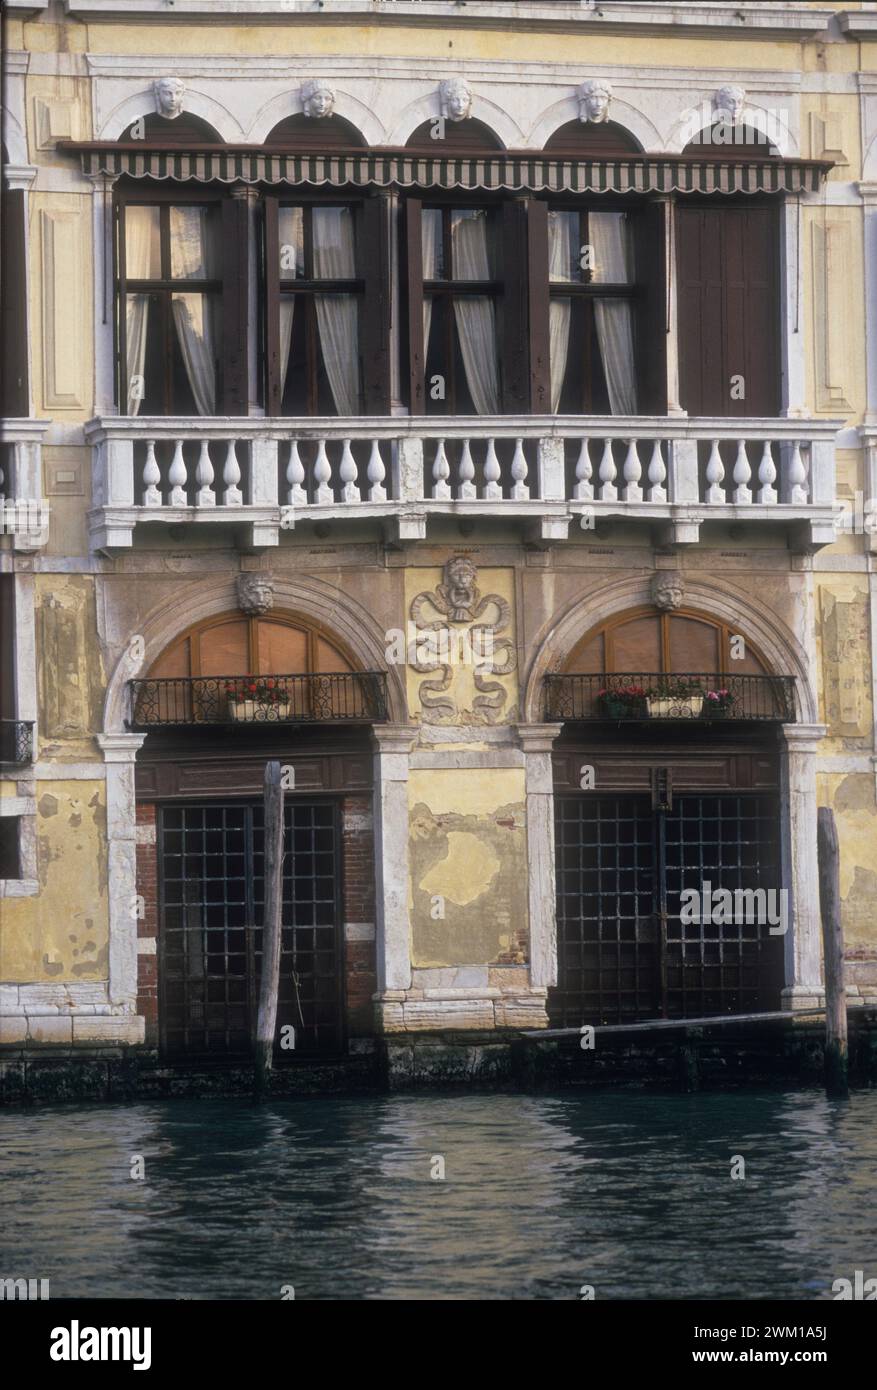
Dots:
pixel 427 108
pixel 289 104
pixel 142 103
pixel 700 116
pixel 621 113
pixel 315 600
pixel 747 615
pixel 14 139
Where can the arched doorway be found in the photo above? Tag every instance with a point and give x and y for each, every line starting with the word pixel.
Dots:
pixel 199 793
pixel 668 874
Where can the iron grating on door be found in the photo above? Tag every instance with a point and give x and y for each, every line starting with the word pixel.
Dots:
pixel 624 953
pixel 211 885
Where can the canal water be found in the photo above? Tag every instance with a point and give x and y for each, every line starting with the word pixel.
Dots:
pixel 628 1192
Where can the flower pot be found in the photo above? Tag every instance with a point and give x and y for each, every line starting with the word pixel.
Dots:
pixel 616 708
pixel 713 710
pixel 257 711
pixel 675 706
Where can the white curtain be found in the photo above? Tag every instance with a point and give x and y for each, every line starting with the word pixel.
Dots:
pixel 193 256
pixel 291 238
pixel 141 232
pixel 474 314
pixel 337 314
pixel 559 310
pixel 431 230
pixel 608 234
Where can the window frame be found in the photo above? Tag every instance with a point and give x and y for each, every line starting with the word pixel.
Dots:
pixel 448 289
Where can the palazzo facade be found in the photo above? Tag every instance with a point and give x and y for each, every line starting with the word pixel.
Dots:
pixel 472 408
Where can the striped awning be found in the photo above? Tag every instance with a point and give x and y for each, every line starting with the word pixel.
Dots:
pixel 515 172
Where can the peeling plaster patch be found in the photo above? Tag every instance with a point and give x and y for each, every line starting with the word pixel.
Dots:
pixel 52 967
pixel 858 908
pixel 856 793
pixel 48 806
pixel 467 872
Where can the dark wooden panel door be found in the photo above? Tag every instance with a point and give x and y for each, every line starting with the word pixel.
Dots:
pixel 728 294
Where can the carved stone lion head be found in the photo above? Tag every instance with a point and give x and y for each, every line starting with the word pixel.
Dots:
pixel 255 593
pixel 459 588
pixel 668 591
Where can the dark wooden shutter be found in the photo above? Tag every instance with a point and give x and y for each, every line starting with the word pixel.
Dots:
pixel 273 382
pixel 234 353
pixel 728 293
pixel 413 348
pixel 514 348
pixel 650 313
pixel 13 294
pixel 7 646
pixel 375 327
pixel 538 306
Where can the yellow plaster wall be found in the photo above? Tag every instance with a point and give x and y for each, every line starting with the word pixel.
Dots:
pixel 63 933
pixel 468 886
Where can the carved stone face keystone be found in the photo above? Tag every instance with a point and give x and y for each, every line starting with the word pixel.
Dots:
pixel 668 592
pixel 594 98
pixel 728 104
pixel 456 99
pixel 169 93
pixel 318 99
pixel 255 593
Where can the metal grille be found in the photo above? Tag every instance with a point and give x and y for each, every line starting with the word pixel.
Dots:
pixel 635 696
pixel 336 696
pixel 623 952
pixel 211 868
pixel 16 741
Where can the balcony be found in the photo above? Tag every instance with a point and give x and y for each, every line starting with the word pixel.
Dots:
pixel 16 742
pixel 259 477
pixel 338 697
pixel 24 514
pixel 634 697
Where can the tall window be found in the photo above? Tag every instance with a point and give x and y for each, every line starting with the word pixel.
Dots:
pixel 460 310
pixel 314 309
pixel 591 334
pixel 170 328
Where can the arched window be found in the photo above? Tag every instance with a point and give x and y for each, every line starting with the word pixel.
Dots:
pixel 301 132
pixel 233 644
pixel 721 140
pixel 646 641
pixel 592 140
pixel 184 129
pixel 461 137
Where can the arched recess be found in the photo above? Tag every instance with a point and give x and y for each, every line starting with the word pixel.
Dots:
pixel 345 623
pixel 422 113
pixel 185 129
pixel 764 633
pixel 640 132
pixel 459 136
pixel 590 140
pixel 301 132
pixel 720 140
pixel 224 122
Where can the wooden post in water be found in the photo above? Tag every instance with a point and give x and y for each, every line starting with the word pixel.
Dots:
pixel 266 1020
pixel 836 1082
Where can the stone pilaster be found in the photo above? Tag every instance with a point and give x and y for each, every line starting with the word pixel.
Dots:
pixel 804 986
pixel 536 740
pixel 119 752
pixel 393 747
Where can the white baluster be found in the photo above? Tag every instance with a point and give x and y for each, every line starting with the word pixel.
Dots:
pixel 231 476
pixel 633 471
pixel 492 473
pixel 441 471
pixel 466 490
pixel 797 478
pixel 347 471
pixel 767 475
pixel 608 474
pixel 520 490
pixel 151 477
pixel 177 477
pixel 376 474
pixel 584 489
pixel 295 476
pixel 742 475
pixel 205 496
pixel 323 474
pixel 657 474
pixel 715 472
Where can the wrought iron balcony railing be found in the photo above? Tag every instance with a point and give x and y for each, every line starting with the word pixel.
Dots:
pixel 337 697
pixel 16 741
pixel 267 476
pixel 629 697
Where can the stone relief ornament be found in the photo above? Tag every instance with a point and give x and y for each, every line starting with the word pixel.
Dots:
pixel 456 99
pixel 447 634
pixel 255 593
pixel 317 99
pixel 668 592
pixel 169 93
pixel 594 98
pixel 728 103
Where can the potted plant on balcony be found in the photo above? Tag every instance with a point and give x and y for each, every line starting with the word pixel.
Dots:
pixel 257 698
pixel 676 697
pixel 623 701
pixel 717 704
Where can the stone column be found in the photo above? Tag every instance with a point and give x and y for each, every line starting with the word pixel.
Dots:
pixel 536 741
pixel 393 746
pixel 803 954
pixel 119 752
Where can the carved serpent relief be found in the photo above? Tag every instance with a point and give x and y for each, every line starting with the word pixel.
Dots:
pixel 458 600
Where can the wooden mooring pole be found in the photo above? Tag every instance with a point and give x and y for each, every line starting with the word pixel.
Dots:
pixel 836 1080
pixel 266 1020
